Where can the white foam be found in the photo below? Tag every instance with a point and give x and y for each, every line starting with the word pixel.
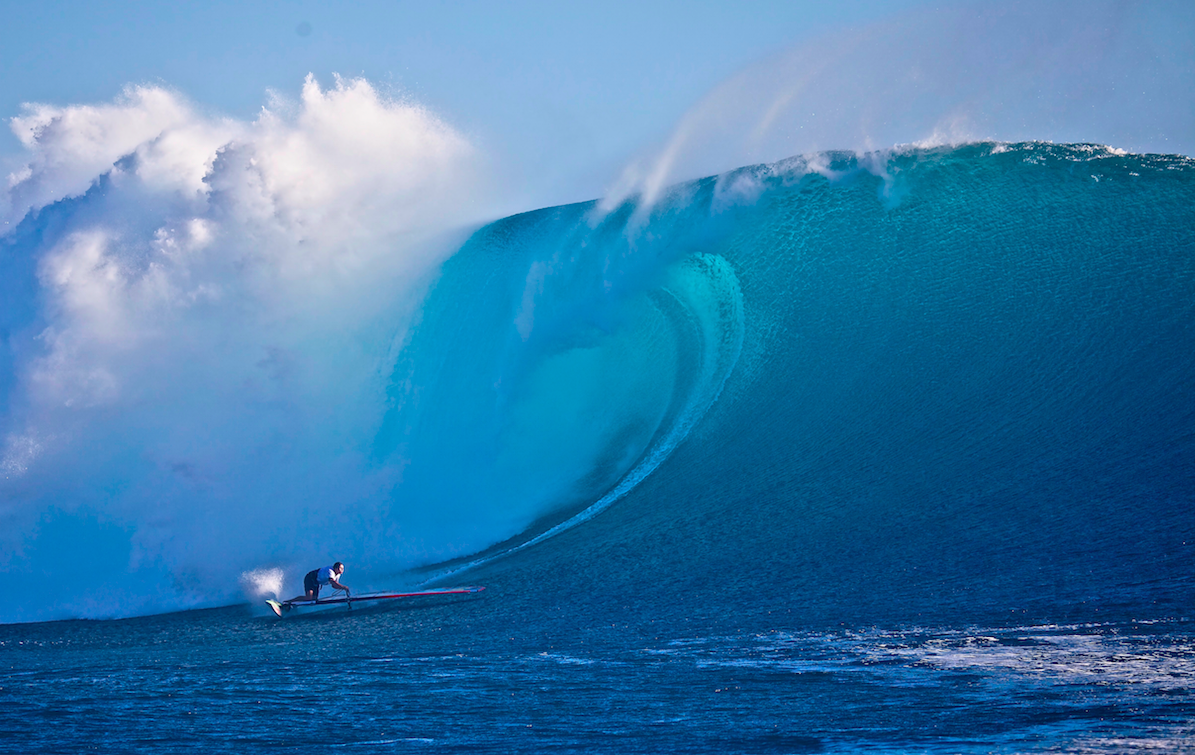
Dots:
pixel 261 583
pixel 215 307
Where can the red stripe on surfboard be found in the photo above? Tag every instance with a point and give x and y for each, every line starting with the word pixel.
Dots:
pixel 386 596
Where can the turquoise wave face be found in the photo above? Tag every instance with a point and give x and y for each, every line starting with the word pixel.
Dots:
pixel 561 358
pixel 956 380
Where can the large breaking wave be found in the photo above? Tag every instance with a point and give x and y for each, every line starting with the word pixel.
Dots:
pixel 965 393
pixel 956 374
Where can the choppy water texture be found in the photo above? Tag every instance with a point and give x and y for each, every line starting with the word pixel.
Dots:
pixel 844 454
pixel 483 678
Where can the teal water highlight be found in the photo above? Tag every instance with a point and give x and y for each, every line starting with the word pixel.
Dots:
pixel 964 382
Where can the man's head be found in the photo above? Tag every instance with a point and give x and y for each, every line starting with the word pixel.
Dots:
pixel 338 567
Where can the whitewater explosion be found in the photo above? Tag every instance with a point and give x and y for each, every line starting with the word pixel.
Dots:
pixel 199 316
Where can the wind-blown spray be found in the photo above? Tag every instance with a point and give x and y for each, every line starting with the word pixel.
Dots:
pixel 199 315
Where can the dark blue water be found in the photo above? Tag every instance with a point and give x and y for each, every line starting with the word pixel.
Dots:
pixel 891 456
pixel 501 674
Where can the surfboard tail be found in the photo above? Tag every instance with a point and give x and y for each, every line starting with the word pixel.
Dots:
pixel 275 606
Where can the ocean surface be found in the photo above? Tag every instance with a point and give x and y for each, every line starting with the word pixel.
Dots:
pixel 852 453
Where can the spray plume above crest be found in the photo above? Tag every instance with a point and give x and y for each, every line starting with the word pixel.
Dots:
pixel 1100 72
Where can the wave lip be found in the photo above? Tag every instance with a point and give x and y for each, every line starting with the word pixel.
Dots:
pixel 956 74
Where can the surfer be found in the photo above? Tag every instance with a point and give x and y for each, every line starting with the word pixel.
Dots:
pixel 316 578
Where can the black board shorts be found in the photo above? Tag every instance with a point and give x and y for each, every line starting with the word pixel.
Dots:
pixel 311 583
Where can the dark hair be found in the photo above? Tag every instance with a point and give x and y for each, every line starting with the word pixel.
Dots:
pixel 338 565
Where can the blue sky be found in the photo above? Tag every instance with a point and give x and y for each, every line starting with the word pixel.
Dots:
pixel 561 97
pixel 564 91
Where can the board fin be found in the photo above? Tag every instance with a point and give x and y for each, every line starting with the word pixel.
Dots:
pixel 275 606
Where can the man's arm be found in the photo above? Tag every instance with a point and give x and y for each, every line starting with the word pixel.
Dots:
pixel 339 586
